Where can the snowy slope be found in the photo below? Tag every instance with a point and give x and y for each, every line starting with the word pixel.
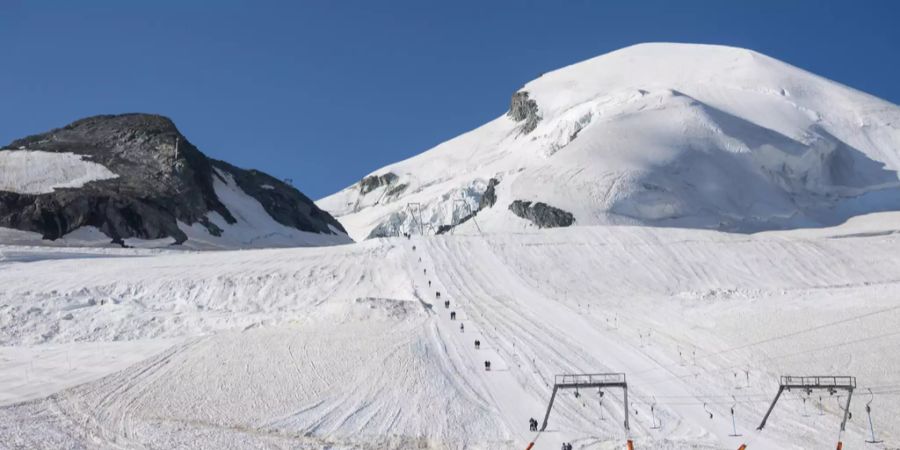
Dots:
pixel 347 347
pixel 254 227
pixel 658 134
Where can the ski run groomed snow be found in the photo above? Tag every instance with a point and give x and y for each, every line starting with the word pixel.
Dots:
pixel 347 347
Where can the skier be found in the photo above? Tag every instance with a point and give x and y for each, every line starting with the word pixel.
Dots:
pixel 477 344
pixel 429 283
pixel 487 366
pixel 462 328
pixel 437 294
pixel 446 303
pixel 452 315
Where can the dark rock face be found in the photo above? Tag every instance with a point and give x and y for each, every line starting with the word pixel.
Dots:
pixel 162 179
pixel 490 196
pixel 542 214
pixel 372 182
pixel 522 108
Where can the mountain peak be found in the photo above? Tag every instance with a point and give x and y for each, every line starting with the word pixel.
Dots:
pixel 136 177
pixel 664 134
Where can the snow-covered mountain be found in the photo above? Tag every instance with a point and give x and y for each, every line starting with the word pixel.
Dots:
pixel 677 135
pixel 134 179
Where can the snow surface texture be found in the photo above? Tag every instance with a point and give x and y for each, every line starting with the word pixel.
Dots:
pixel 677 135
pixel 347 347
pixel 39 172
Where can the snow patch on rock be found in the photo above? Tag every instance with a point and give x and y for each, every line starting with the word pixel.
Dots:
pixel 40 172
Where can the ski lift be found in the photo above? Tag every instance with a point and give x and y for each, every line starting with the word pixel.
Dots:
pixel 734 432
pixel 600 394
pixel 869 414
pixel 804 414
pixel 655 426
pixel 707 411
pixel 849 413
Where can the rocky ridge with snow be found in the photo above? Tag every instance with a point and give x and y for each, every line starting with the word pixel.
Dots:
pixel 134 177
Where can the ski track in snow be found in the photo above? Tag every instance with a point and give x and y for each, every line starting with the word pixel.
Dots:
pixel 348 347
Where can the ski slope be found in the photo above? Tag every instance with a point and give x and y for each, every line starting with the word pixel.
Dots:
pixel 348 347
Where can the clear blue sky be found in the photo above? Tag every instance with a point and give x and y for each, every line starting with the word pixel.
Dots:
pixel 326 91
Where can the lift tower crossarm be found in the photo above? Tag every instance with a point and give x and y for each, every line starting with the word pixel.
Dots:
pixel 830 383
pixel 585 381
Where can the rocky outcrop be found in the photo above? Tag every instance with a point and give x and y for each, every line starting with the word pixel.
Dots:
pixel 524 109
pixel 488 199
pixel 372 182
pixel 542 214
pixel 490 195
pixel 162 179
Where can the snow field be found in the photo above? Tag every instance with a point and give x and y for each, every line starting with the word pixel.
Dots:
pixel 347 347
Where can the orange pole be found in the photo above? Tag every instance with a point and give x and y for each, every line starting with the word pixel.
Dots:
pixel 840 445
pixel 530 444
pixel 630 445
pixel 743 447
